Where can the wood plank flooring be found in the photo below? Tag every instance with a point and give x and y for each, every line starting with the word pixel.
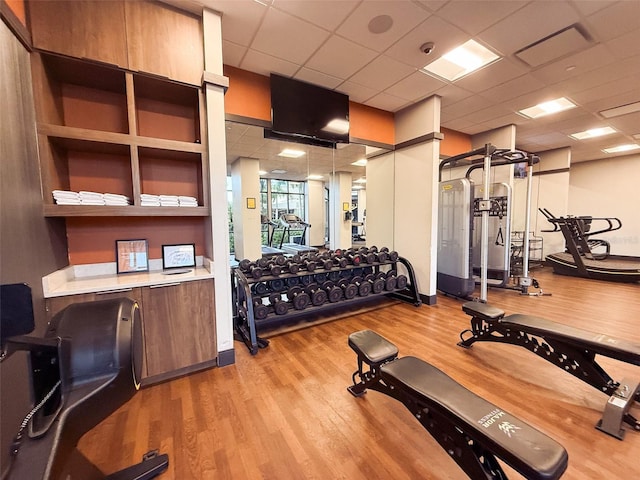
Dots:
pixel 286 414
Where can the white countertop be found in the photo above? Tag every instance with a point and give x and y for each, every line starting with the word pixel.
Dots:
pixel 101 278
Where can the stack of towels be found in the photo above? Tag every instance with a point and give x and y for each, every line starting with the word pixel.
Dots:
pixel 148 200
pixel 66 197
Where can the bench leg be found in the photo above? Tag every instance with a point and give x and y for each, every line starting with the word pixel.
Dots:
pixel 617 408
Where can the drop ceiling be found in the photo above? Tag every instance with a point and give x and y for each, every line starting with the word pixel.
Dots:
pixel 585 50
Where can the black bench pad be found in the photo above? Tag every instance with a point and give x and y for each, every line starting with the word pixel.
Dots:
pixel 482 310
pixel 527 450
pixel 596 342
pixel 374 348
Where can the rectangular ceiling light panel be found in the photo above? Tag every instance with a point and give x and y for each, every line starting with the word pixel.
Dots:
pixel 592 133
pixel 461 61
pixel 621 110
pixel 547 108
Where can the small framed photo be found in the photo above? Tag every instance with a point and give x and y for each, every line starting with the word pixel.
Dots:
pixel 132 256
pixel 251 203
pixel 346 206
pixel 179 256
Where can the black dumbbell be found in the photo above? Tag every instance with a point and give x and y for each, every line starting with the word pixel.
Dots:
pixel 276 285
pixel 367 256
pixel 353 258
pixel 349 290
pixel 298 298
pixel 399 281
pixel 306 280
pixel 377 282
pixel 293 281
pixel 364 287
pixel 259 288
pixel 308 264
pixel 320 278
pixel 393 255
pixel 251 268
pixel 279 260
pixel 280 307
pixel 334 276
pixel 334 293
pixel 390 280
pixel 273 268
pixel 260 310
pixel 292 267
pixel 317 294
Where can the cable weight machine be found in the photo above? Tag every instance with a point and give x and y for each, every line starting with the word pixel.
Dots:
pixel 463 208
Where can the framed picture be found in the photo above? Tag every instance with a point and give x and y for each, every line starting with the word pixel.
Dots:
pixel 251 203
pixel 132 256
pixel 179 256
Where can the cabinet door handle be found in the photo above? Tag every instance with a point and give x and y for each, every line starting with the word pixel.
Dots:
pixel 162 285
pixel 105 292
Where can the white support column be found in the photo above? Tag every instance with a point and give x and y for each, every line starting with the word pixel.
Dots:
pixel 215 85
pixel 416 191
pixel 380 197
pixel 315 213
pixel 340 195
pixel 245 180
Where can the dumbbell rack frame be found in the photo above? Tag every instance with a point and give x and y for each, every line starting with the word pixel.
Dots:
pixel 247 328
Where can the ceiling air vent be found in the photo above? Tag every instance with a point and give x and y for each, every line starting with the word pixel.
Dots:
pixel 565 42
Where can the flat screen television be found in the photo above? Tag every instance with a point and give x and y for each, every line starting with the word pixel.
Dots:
pixel 307 111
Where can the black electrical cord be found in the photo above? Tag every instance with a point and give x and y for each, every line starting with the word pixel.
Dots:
pixel 17 440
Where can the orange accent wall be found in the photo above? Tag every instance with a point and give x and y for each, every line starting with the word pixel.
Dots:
pixel 249 94
pixel 370 123
pixel 454 142
pixel 93 239
pixel 18 8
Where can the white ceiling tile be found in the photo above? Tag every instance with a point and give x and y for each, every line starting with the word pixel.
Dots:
pixel 459 124
pixel 415 86
pixel 404 13
pixel 486 114
pixel 474 20
pixel 615 20
pixel 592 6
pixel 626 45
pixel 608 90
pixel 528 25
pixel 452 94
pixel 232 53
pixel 464 107
pixel 318 12
pixel 513 88
pixel 387 102
pixel 381 73
pixel 284 36
pixel 357 93
pixel 495 74
pixel 432 5
pixel 340 58
pixel 582 62
pixel 317 78
pixel 240 18
pixel 444 35
pixel 263 64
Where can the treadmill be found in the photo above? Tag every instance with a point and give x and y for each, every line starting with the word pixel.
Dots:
pixel 579 260
pixel 290 222
pixel 271 225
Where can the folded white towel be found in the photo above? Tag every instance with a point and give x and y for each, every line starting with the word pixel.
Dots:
pixel 91 194
pixel 169 197
pixel 59 194
pixel 91 202
pixel 115 196
pixel 64 201
pixel 149 196
pixel 145 203
pixel 183 198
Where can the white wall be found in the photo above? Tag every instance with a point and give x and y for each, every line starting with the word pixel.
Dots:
pixel 609 188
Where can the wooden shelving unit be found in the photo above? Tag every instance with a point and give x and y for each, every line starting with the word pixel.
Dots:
pixel 108 130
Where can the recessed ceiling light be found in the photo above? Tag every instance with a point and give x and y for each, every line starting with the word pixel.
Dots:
pixel 360 180
pixel 315 177
pixel 547 108
pixel 594 132
pixel 360 163
pixel 621 148
pixel 621 110
pixel 461 61
pixel 278 171
pixel 262 172
pixel 357 187
pixel 291 153
pixel 637 135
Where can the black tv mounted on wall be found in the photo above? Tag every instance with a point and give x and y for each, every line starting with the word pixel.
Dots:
pixel 308 113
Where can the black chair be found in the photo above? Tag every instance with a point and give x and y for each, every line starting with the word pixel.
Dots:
pixel 88 364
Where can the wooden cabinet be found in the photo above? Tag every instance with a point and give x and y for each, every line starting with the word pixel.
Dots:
pixel 178 323
pixel 179 326
pixel 143 36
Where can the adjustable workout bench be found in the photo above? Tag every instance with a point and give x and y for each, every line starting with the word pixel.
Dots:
pixel 569 348
pixel 472 431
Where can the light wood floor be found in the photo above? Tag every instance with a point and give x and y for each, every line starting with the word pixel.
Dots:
pixel 286 414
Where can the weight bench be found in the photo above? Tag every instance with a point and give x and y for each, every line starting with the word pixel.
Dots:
pixel 470 429
pixel 571 349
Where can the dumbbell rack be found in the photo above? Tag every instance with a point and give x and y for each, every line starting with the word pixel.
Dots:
pixel 247 326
